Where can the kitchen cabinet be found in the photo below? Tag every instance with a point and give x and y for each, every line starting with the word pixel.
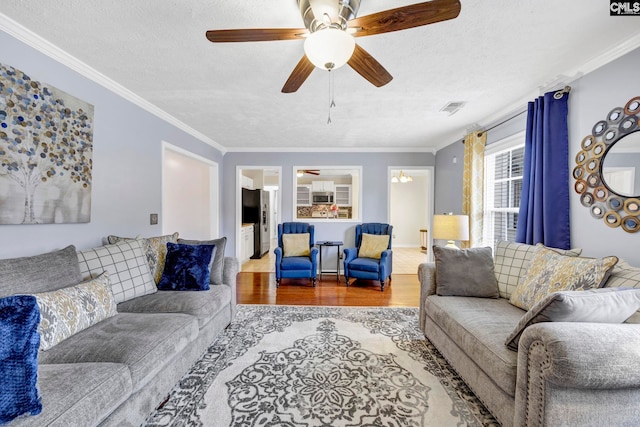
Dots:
pixel 246 182
pixel 343 195
pixel 303 195
pixel 322 186
pixel 246 242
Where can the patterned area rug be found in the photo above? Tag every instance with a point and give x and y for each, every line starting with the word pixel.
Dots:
pixel 322 366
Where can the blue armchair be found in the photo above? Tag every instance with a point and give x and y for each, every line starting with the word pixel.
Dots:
pixel 296 266
pixel 369 268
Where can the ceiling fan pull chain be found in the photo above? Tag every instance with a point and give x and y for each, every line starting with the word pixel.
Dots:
pixel 332 102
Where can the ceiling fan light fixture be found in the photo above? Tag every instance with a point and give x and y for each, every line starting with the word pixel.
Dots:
pixel 329 48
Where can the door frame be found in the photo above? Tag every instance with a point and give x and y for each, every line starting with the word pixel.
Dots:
pixel 238 218
pixel 430 196
pixel 214 187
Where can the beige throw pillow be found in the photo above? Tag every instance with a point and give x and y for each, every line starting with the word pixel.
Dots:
pixel 373 245
pixel 296 244
pixel 551 272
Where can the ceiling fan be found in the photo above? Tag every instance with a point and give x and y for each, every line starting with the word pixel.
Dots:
pixel 301 172
pixel 331 26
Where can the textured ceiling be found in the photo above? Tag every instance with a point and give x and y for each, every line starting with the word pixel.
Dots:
pixel 494 57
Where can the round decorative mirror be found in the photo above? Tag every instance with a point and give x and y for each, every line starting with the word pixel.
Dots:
pixel 607 170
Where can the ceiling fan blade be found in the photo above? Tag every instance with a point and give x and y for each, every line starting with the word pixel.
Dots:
pixel 255 35
pixel 405 17
pixel 298 76
pixel 367 66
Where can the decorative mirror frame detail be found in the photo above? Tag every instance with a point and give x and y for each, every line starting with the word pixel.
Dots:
pixel 614 209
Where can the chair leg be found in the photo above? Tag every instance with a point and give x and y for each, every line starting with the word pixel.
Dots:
pixel 277 283
pixel 346 280
pixel 382 286
pixel 314 282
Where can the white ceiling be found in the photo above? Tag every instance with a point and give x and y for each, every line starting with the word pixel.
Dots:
pixel 495 56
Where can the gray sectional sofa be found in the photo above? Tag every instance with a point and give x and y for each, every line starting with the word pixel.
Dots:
pixel 563 374
pixel 116 372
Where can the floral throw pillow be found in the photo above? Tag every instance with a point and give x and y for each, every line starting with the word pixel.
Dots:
pixel 67 311
pixel 551 272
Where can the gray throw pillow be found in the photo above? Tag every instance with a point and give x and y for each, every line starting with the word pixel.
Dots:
pixel 604 305
pixel 217 262
pixel 465 272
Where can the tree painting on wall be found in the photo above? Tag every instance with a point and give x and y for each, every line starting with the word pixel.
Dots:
pixel 46 146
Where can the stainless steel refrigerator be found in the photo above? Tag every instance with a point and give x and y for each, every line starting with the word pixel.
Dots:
pixel 255 210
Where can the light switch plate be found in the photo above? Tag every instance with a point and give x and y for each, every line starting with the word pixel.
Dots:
pixel 153 219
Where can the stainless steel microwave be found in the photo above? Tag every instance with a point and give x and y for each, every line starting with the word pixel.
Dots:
pixel 322 198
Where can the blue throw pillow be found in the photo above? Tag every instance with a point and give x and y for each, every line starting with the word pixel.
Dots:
pixel 19 343
pixel 186 267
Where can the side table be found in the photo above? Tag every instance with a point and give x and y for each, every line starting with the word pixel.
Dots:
pixel 330 244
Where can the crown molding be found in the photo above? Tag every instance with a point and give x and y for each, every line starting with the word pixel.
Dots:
pixel 19 32
pixel 426 149
pixel 610 55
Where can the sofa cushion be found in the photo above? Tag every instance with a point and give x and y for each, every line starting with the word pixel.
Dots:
pixel 465 272
pixel 607 305
pixel 154 249
pixel 511 262
pixel 217 261
pixel 19 341
pixel 40 273
pixel 295 245
pixel 203 305
pixel 187 267
pixel 373 245
pixel 143 342
pixel 296 263
pixel 551 272
pixel 479 327
pixel 70 310
pixel 365 264
pixel 79 394
pixel 127 267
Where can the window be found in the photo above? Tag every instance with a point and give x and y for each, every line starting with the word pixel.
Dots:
pixel 504 166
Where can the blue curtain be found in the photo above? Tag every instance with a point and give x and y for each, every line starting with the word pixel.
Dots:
pixel 544 205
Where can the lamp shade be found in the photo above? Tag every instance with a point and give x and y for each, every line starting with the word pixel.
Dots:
pixel 451 227
pixel 329 48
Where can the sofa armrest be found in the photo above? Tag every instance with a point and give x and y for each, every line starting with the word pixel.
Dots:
pixel 427 277
pixel 561 362
pixel 229 278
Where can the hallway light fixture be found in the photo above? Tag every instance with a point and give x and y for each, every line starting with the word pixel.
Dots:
pixel 402 178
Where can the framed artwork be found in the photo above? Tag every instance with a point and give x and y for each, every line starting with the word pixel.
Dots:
pixel 46 147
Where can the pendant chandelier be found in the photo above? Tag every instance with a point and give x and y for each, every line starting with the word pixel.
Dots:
pixel 402 178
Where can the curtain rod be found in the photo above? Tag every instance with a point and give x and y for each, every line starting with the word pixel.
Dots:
pixel 558 94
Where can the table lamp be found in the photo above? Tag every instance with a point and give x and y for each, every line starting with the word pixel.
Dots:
pixel 451 228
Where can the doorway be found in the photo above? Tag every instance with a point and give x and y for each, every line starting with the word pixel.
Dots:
pixel 410 212
pixel 189 194
pixel 267 181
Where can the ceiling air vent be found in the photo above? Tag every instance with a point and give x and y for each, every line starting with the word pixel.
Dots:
pixel 453 107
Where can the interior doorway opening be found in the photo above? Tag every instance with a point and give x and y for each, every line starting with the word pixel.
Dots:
pixel 190 202
pixel 257 215
pixel 410 212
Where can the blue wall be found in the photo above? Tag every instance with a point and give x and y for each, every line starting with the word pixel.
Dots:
pixel 592 97
pixel 375 185
pixel 127 166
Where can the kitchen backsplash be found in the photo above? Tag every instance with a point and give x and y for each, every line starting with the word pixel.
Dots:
pixel 322 211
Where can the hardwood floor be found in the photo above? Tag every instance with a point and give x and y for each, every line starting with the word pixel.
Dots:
pixel 260 288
